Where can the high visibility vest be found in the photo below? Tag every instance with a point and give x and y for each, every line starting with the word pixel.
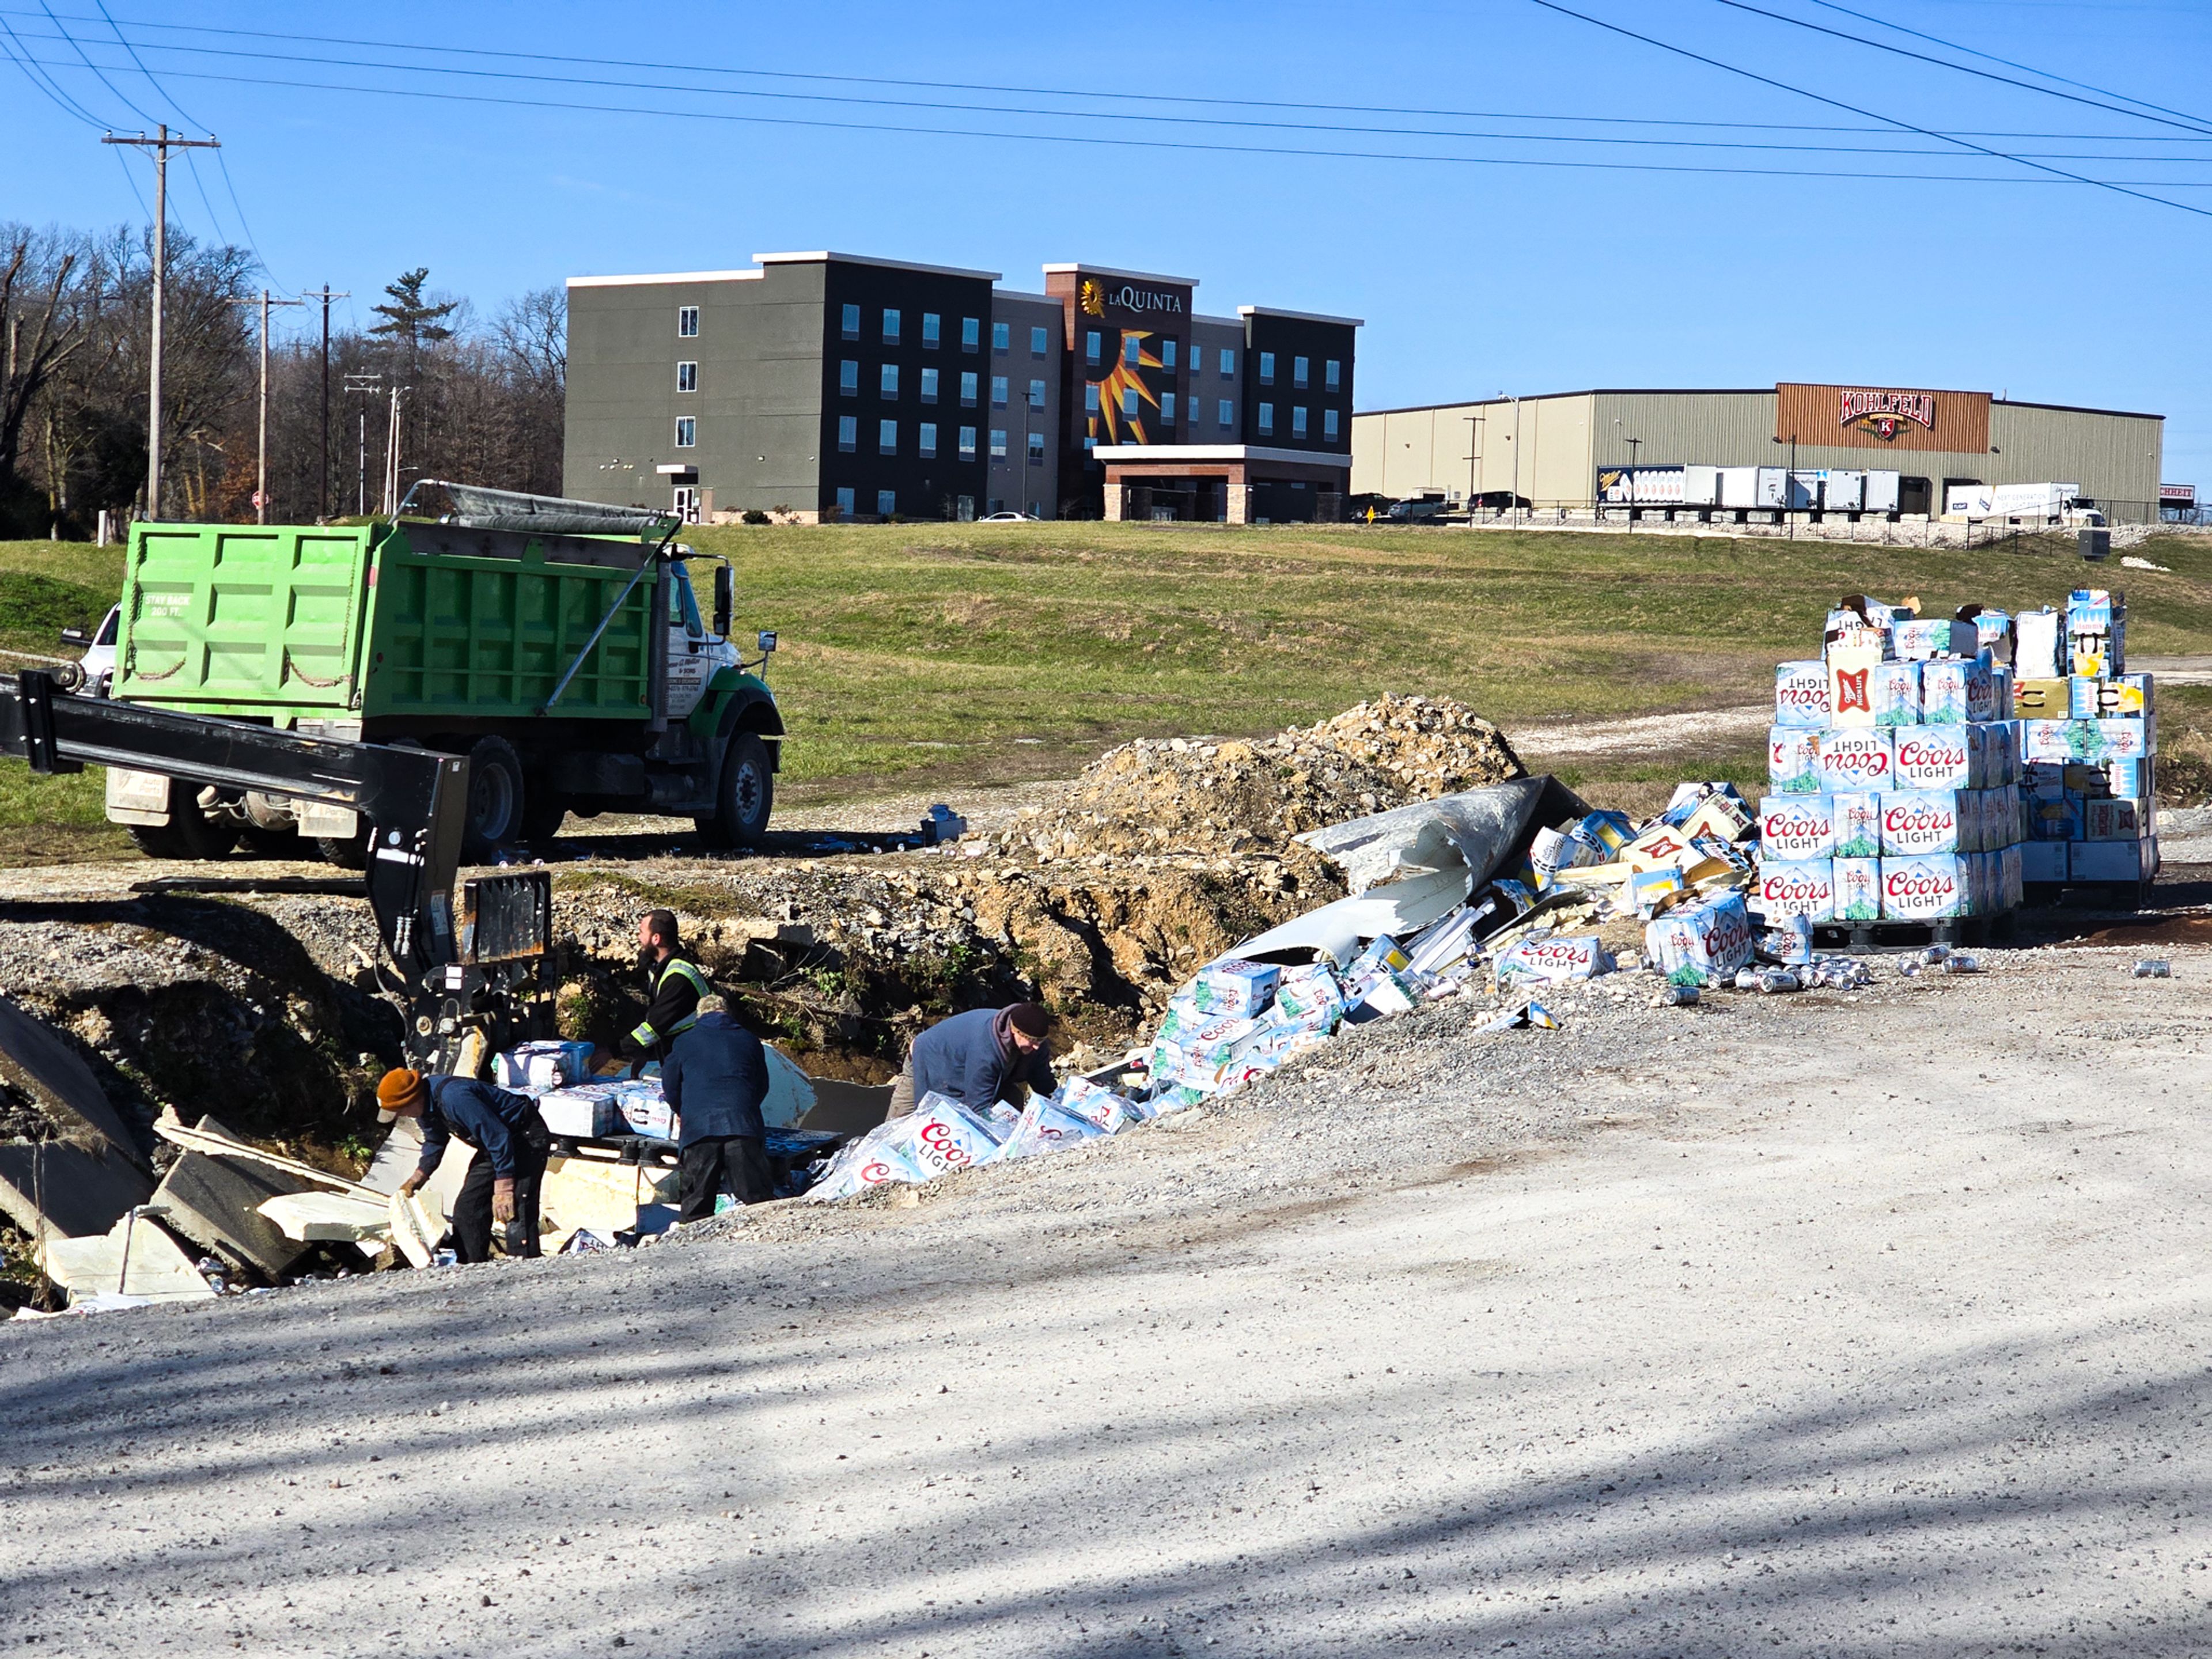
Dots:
pixel 643 1033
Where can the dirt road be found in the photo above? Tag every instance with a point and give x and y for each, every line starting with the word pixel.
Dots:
pixel 1817 1325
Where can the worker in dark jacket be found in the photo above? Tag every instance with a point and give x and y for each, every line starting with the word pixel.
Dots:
pixel 983 1055
pixel 511 1142
pixel 715 1077
pixel 672 982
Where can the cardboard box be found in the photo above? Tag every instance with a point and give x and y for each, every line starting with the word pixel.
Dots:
pixel 1893 688
pixel 1235 989
pixel 1993 633
pixel 2096 632
pixel 2136 778
pixel 2115 820
pixel 2125 694
pixel 1936 758
pixel 1663 846
pixel 2038 640
pixel 2042 860
pixel 1793 760
pixel 1793 828
pixel 2048 699
pixel 1954 692
pixel 2126 738
pixel 1925 637
pixel 2050 820
pixel 1861 758
pixel 1926 889
pixel 1857 889
pixel 1548 961
pixel 1807 890
pixel 1701 944
pixel 1723 817
pixel 1800 694
pixel 2111 861
pixel 1921 820
pixel 585 1112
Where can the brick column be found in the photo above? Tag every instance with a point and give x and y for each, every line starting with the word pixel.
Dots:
pixel 1240 502
pixel 1117 500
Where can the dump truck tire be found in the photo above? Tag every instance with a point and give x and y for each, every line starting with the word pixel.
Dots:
pixel 497 799
pixel 346 853
pixel 273 843
pixel 543 818
pixel 157 840
pixel 744 796
pixel 199 835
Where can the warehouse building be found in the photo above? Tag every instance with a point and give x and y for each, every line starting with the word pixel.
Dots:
pixel 1567 453
pixel 823 386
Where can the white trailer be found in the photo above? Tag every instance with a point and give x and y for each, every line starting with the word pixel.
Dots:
pixel 1884 490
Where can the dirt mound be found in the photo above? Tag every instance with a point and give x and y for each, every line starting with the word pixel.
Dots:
pixel 1213 797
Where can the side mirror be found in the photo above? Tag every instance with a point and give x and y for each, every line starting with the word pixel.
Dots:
pixel 766 641
pixel 76 636
pixel 725 599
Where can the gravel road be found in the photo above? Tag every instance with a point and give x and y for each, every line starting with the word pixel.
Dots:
pixel 1821 1325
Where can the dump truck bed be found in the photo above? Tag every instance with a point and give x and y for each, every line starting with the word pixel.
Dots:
pixel 413 622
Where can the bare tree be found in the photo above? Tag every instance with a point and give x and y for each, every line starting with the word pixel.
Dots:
pixel 43 306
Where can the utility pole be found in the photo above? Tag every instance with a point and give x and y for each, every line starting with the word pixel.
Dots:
pixel 160 145
pixel 322 478
pixel 369 386
pixel 261 452
pixel 392 455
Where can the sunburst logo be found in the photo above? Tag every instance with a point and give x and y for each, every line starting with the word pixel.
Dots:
pixel 1127 377
pixel 1092 298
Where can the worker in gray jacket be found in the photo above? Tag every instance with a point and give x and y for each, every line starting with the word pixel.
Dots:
pixel 984 1055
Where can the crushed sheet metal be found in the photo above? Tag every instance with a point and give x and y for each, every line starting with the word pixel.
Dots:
pixel 1477 830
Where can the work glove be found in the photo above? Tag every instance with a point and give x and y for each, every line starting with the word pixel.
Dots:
pixel 413 1184
pixel 502 1201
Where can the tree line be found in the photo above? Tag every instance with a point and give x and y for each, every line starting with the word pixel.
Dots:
pixel 480 400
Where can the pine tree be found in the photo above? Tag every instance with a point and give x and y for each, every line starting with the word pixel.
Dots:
pixel 411 318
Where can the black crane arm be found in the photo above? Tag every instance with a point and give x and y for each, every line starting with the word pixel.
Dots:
pixel 414 801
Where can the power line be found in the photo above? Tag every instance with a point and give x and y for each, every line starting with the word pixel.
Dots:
pixel 1188 146
pixel 1959 68
pixel 20 55
pixel 695 69
pixel 1871 115
pixel 1117 116
pixel 2028 69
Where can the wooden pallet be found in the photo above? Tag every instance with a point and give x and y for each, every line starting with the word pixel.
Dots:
pixel 1861 938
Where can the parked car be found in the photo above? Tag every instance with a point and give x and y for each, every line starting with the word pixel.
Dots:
pixel 1008 518
pixel 1418 512
pixel 99 660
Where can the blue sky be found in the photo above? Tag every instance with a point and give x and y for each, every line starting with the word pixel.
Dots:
pixel 1472 277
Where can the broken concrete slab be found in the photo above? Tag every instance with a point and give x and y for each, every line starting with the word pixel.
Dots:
pixel 53 1189
pixel 337 1218
pixel 35 1058
pixel 215 1202
pixel 135 1261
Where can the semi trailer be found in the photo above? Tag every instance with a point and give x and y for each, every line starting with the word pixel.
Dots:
pixel 558 645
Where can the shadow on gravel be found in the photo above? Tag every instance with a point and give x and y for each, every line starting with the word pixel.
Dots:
pixel 1804 1525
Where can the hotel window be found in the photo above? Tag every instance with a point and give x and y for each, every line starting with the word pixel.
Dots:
pixel 851 322
pixel 930 321
pixel 997 391
pixel 929 441
pixel 687 377
pixel 929 386
pixel 1197 357
pixel 886 502
pixel 1167 409
pixel 687 322
pixel 1132 350
pixel 998 443
pixel 967 443
pixel 1228 415
pixel 1091 398
pixel 1040 342
pixel 1229 363
pixel 889 382
pixel 1036 449
pixel 1167 354
pixel 886 437
pixel 1037 394
pixel 848 378
pixel 1129 402
pixel 1091 345
pixel 1300 367
pixel 1090 443
pixel 1298 422
pixel 844 501
pixel 891 326
pixel 1332 375
pixel 687 432
pixel 1267 420
pixel 848 435
pixel 971 333
pixel 1329 424
pixel 1002 337
pixel 1267 368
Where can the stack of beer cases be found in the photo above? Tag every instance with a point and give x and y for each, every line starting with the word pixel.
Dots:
pixel 1895 784
pixel 2088 736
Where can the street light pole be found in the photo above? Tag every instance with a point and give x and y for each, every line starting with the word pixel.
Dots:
pixel 368 386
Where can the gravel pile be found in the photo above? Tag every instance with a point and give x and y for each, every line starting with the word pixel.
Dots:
pixel 1200 795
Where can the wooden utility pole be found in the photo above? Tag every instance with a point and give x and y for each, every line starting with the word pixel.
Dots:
pixel 160 145
pixel 261 457
pixel 322 478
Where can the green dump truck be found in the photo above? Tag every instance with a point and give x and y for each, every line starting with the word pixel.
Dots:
pixel 558 645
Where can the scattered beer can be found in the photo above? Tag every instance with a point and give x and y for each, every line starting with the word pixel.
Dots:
pixel 2154 970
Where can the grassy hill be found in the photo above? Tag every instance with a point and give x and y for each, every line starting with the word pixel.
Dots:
pixel 915 655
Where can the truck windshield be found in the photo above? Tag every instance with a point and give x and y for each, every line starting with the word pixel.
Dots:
pixel 682 607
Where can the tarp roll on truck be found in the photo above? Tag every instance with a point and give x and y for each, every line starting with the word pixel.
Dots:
pixel 558 645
